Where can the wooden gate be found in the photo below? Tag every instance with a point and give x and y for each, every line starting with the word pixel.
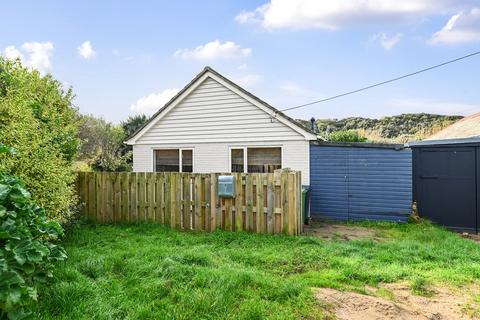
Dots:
pixel 263 203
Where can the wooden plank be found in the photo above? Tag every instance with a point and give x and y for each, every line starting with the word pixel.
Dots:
pixel 124 185
pixel 198 202
pixel 151 196
pixel 92 196
pixel 173 204
pixel 159 198
pixel 203 201
pixel 298 202
pixel 186 219
pixel 167 204
pixel 142 184
pixel 249 201
pixel 133 198
pixel 260 223
pixel 208 212
pixel 239 202
pixel 110 198
pixel 104 196
pixel 270 202
pixel 285 191
pixel 214 205
pixel 292 206
pixel 228 214
pixel 178 200
pixel 117 213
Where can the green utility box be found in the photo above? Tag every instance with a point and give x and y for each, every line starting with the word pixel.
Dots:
pixel 306 204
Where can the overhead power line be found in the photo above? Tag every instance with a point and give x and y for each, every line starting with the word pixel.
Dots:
pixel 383 82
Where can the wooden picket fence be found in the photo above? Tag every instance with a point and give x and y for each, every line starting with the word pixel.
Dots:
pixel 263 203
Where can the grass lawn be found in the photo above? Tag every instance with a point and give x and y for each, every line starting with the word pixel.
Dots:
pixel 151 272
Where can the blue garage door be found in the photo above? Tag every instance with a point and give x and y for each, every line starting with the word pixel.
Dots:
pixel 360 182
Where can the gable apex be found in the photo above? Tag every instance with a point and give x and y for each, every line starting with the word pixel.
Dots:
pixel 209 73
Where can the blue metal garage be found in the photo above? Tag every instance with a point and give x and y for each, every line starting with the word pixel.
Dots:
pixel 354 181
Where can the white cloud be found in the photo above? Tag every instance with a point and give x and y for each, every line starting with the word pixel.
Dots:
pixel 12 53
pixel 214 50
pixel 461 28
pixel 315 14
pixel 85 50
pixel 116 52
pixel 386 41
pixel 248 80
pixel 39 55
pixel 154 101
pixel 35 55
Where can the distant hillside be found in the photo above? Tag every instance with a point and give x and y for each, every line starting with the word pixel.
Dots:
pixel 395 129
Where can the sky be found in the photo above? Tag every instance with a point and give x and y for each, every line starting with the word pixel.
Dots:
pixel 128 57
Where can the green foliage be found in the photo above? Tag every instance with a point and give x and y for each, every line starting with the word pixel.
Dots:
pixel 133 123
pixel 346 136
pixel 414 125
pixel 27 248
pixel 102 145
pixel 38 120
pixel 226 275
pixel 130 126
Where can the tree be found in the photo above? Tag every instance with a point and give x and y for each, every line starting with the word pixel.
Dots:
pixel 346 136
pixel 133 123
pixel 102 145
pixel 37 119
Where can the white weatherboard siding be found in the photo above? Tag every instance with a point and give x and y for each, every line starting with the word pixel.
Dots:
pixel 215 157
pixel 214 113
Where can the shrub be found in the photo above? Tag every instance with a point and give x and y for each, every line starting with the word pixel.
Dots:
pixel 346 136
pixel 37 118
pixel 27 248
pixel 102 148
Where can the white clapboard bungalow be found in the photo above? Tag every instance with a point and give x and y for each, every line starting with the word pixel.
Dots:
pixel 214 125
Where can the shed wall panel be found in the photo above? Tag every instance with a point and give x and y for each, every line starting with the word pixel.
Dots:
pixel 360 183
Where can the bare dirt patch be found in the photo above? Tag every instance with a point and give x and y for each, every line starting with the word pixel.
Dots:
pixel 400 304
pixel 329 231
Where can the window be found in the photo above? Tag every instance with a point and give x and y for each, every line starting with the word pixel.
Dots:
pixel 172 160
pixel 257 159
pixel 187 160
pixel 264 159
pixel 237 160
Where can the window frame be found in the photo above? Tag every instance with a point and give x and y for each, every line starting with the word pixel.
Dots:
pixel 245 155
pixel 180 164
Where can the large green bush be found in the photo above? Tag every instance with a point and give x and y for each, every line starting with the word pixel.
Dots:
pixel 38 119
pixel 27 247
pixel 346 136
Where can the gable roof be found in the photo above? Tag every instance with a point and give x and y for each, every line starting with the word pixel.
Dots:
pixel 209 72
pixel 464 128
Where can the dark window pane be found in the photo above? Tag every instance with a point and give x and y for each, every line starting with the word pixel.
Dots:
pixel 167 160
pixel 264 159
pixel 187 161
pixel 237 160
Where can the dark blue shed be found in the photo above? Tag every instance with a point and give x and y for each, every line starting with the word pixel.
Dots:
pixel 360 181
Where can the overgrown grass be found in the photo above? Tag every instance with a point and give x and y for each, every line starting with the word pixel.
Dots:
pixel 151 272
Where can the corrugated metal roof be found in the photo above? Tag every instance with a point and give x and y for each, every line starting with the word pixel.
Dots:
pixel 465 128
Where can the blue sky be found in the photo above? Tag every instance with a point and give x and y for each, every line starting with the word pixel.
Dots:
pixel 126 57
